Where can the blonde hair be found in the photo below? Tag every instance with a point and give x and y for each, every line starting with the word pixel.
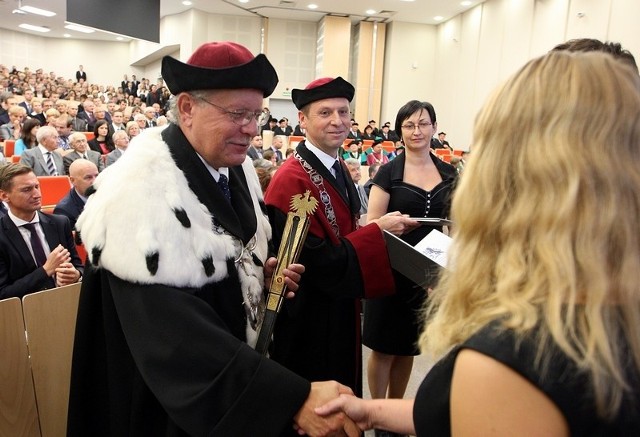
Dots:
pixel 548 221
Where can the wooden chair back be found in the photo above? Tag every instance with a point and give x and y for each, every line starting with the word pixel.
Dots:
pixel 18 412
pixel 50 321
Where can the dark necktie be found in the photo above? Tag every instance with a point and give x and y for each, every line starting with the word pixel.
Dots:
pixel 36 244
pixel 50 165
pixel 339 176
pixel 223 183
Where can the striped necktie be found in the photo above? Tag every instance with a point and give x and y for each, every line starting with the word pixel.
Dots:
pixel 50 165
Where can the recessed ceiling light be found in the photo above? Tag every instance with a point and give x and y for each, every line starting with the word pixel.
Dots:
pixel 34 28
pixel 370 12
pixel 438 18
pixel 119 38
pixel 79 28
pixel 312 6
pixel 465 3
pixel 66 35
pixel 187 3
pixel 37 11
pixel 243 1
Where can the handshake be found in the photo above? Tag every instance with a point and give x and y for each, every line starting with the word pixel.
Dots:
pixel 315 419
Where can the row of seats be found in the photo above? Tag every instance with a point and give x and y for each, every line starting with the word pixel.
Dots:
pixel 35 374
pixel 8 148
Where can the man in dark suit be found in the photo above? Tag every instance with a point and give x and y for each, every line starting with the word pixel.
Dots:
pixel 80 74
pixel 37 251
pixel 81 150
pixel 82 173
pixel 42 159
pixel 440 142
pixel 255 149
pixel 283 128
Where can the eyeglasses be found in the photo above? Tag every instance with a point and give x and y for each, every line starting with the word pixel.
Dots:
pixel 423 125
pixel 241 117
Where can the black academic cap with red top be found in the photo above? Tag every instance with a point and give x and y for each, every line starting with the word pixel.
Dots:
pixel 324 88
pixel 220 65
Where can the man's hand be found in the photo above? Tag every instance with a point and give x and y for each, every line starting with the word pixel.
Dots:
pixel 55 259
pixel 66 274
pixel 396 223
pixel 292 275
pixel 336 424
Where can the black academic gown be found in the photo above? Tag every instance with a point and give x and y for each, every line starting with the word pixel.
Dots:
pixel 155 360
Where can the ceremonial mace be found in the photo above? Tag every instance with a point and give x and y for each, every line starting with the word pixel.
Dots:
pixel 293 236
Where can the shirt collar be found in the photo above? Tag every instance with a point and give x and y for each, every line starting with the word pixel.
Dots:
pixel 215 173
pixel 19 222
pixel 326 160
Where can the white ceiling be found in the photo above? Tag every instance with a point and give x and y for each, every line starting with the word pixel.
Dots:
pixel 416 11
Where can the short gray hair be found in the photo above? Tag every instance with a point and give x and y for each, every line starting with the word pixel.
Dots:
pixel 45 132
pixel 352 162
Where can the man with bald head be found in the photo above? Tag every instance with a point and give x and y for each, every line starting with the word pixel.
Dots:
pixel 82 173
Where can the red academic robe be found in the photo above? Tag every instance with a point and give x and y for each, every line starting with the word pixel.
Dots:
pixel 317 334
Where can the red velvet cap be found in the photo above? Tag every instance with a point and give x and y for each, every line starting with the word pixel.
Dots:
pixel 323 88
pixel 220 65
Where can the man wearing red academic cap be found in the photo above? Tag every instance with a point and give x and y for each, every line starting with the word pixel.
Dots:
pixel 317 335
pixel 178 245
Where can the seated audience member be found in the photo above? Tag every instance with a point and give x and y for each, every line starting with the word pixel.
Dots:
pixel 161 121
pixel 276 146
pixel 80 150
pixel 540 335
pixel 51 116
pixel 150 116
pixel 103 141
pixel 368 133
pixel 354 151
pixel 37 251
pixel 36 112
pixel 353 164
pixel 27 137
pixel 388 135
pixel 373 169
pixel 375 132
pixel 377 155
pixel 298 131
pixel 82 173
pixel 43 159
pixel 63 126
pixel 255 148
pixel 62 106
pixel 121 141
pixel 273 123
pixel 283 128
pixel 132 129
pixel 264 176
pixel 77 124
pixel 13 129
pixel 354 132
pixel 141 120
pixel 270 156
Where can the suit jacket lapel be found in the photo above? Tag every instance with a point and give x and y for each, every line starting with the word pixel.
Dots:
pixel 206 189
pixel 50 230
pixel 15 238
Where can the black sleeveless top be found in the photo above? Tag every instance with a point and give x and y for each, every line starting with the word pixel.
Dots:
pixel 567 386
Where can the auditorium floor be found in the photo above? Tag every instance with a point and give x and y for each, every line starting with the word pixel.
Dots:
pixel 421 366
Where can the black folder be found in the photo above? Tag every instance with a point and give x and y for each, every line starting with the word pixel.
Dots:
pixel 411 263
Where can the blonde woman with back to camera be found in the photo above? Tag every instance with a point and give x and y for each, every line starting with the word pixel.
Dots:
pixel 538 324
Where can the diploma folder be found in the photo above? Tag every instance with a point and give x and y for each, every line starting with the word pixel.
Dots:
pixel 410 262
